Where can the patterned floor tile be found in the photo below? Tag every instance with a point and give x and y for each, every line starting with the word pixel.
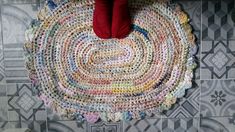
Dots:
pixel 145 125
pixel 2 70
pixel 20 1
pixel 217 59
pixel 34 126
pixel 216 20
pixel 3 91
pixel 15 20
pixel 2 73
pixel 0 31
pixel 104 127
pixel 217 124
pixel 217 98
pixel 66 126
pixel 3 109
pixel 14 64
pixel 3 104
pixel 3 125
pixel 23 103
pixel 180 125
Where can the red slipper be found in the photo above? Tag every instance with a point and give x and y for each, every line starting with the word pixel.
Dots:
pixel 102 18
pixel 121 20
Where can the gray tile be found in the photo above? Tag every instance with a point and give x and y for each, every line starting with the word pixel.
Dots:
pixel 65 126
pixel 217 124
pixel 104 127
pixel 23 104
pixel 3 109
pixel 19 1
pixel 217 59
pixel 0 32
pixel 145 125
pixel 3 90
pixel 2 73
pixel 216 20
pixel 3 104
pixel 3 125
pixel 34 126
pixel 15 20
pixel 180 125
pixel 217 98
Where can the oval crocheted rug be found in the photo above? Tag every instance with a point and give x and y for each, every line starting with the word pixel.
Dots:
pixel 82 76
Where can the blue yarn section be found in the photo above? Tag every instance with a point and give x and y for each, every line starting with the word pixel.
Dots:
pixel 141 30
pixel 51 4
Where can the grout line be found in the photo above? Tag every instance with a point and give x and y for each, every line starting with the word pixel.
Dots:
pixel 122 125
pixel 1 21
pixel 47 124
pixel 222 79
pixel 8 116
pixel 161 124
pixel 199 122
pixel 225 116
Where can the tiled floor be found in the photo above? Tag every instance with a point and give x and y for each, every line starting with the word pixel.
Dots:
pixel 208 107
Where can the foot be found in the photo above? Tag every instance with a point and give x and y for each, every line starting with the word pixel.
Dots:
pixel 121 20
pixel 102 18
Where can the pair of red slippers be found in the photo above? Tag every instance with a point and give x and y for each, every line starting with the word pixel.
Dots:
pixel 111 19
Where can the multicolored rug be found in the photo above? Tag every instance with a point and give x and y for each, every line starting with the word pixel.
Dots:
pixel 82 76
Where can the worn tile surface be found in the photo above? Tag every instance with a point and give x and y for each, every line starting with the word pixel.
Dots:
pixel 180 125
pixel 35 126
pixel 146 125
pixel 207 107
pixel 15 20
pixel 217 97
pixel 216 20
pixel 217 124
pixel 23 104
pixel 66 126
pixel 2 71
pixel 217 59
pixel 104 127
pixel 3 104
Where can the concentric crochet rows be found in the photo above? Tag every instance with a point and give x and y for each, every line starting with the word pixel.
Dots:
pixel 80 74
